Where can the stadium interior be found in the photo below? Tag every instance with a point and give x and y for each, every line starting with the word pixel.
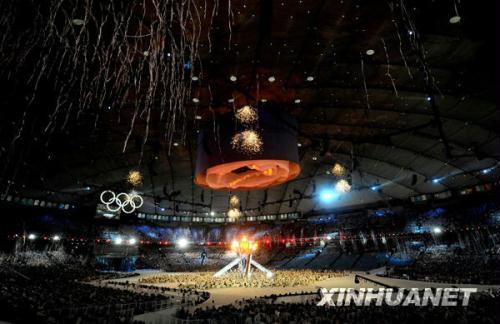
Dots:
pixel 221 161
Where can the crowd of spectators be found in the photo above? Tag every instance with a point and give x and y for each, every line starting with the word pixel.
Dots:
pixel 175 260
pixel 54 287
pixel 450 267
pixel 184 296
pixel 37 288
pixel 482 309
pixel 194 259
pixel 206 280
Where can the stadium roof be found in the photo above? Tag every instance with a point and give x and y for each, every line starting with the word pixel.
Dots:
pixel 403 97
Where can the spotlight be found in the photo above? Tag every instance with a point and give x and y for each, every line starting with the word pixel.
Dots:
pixel 182 243
pixel 299 145
pixel 212 213
pixel 31 237
pixel 56 238
pixel 195 100
pixel 194 78
pixel 132 241
pixel 370 52
pixel 437 230
pixel 118 241
pixel 176 144
pixel 297 101
pixel 197 117
pixel 271 78
pixel 328 195
pixel 374 188
pixel 486 171
pixel 436 180
pixel 233 78
pixel 310 78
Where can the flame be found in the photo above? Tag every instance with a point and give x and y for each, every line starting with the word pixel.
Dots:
pixel 244 246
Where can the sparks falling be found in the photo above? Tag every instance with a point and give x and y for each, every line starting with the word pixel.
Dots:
pixel 248 142
pixel 246 115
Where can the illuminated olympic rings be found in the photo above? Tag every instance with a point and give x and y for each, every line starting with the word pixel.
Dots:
pixel 125 202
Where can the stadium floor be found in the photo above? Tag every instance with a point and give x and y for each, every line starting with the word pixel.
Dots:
pixel 224 296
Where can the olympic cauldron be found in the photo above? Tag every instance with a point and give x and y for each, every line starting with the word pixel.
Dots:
pixel 244 261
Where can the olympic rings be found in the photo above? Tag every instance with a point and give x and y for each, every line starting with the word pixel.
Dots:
pixel 128 203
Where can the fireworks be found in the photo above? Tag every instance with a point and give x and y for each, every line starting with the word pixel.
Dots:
pixel 246 115
pixel 234 213
pixel 134 177
pixel 343 186
pixel 134 56
pixel 248 142
pixel 338 170
pixel 234 201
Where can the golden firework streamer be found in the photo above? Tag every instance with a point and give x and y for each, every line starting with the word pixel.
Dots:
pixel 248 142
pixel 119 55
pixel 246 115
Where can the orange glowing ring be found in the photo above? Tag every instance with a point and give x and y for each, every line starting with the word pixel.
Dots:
pixel 219 166
pixel 249 174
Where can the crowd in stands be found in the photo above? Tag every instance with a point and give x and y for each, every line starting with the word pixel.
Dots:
pixel 53 287
pixel 206 280
pixel 482 309
pixel 183 296
pixel 194 259
pixel 174 260
pixel 38 287
pixel 450 267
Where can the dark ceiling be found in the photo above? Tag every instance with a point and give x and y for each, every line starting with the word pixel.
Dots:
pixel 420 108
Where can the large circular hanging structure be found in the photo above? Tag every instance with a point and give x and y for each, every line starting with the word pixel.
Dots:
pixel 221 166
